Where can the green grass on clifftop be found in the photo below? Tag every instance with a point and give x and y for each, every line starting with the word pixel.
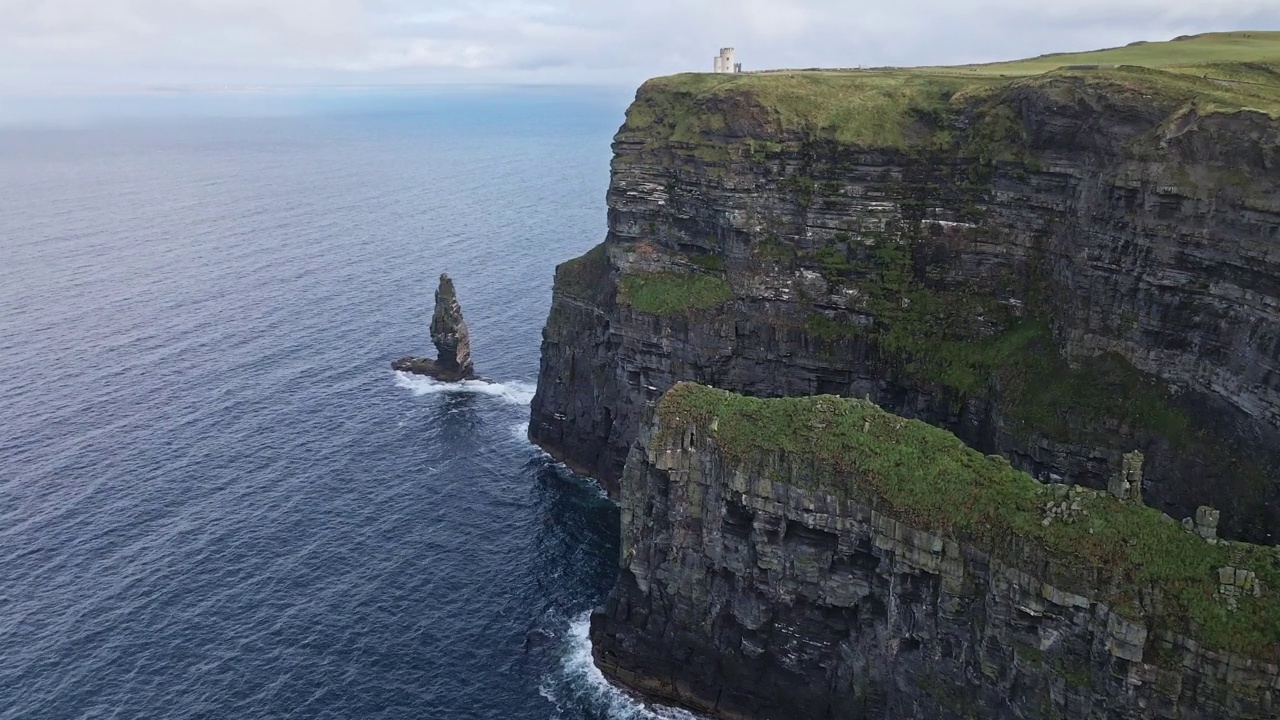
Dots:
pixel 1189 54
pixel 1123 554
pixel 855 108
pixel 899 107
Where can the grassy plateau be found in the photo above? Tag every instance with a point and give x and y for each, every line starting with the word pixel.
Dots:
pixel 877 107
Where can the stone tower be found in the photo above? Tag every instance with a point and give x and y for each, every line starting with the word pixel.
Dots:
pixel 723 63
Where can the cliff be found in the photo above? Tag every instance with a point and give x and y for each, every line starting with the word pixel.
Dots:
pixel 818 557
pixel 1059 268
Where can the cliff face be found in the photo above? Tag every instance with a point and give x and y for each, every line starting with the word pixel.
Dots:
pixel 1061 270
pixel 820 558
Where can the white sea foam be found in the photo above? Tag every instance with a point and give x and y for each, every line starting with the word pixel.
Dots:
pixel 584 684
pixel 516 393
pixel 520 431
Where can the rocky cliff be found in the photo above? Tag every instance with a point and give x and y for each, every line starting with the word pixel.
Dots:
pixel 1061 269
pixel 820 558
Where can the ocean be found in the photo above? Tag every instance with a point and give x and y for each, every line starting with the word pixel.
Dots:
pixel 217 500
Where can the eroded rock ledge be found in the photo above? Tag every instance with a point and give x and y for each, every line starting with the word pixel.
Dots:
pixel 818 557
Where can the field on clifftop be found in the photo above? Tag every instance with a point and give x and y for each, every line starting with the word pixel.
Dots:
pixel 893 107
pixel 1195 54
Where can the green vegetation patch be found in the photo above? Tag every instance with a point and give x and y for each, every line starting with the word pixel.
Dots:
pixel 586 276
pixel 872 109
pixel 831 329
pixel 713 263
pixel 1139 86
pixel 668 293
pixel 772 248
pixel 1051 396
pixel 1191 54
pixel 1126 555
pixel 928 335
pixel 929 330
pixel 1077 676
pixel 1044 392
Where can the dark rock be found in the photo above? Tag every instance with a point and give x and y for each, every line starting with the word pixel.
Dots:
pixel 449 332
pixel 536 638
pixel 450 336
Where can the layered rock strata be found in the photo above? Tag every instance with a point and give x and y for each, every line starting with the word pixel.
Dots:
pixel 819 558
pixel 1062 270
pixel 450 336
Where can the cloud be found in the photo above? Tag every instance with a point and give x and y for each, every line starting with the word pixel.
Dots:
pixel 115 30
pixel 554 40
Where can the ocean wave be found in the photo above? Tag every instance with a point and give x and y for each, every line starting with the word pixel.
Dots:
pixel 580 684
pixel 516 393
pixel 520 431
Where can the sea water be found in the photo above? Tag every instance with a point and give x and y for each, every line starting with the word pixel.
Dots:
pixel 217 500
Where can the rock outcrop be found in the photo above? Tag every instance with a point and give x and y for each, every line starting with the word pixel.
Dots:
pixel 1060 269
pixel 450 336
pixel 820 558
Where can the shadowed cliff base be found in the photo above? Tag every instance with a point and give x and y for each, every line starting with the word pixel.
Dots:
pixel 1060 268
pixel 450 336
pixel 819 557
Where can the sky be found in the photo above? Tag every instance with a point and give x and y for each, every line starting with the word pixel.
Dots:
pixel 201 43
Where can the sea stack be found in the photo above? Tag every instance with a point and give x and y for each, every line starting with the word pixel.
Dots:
pixel 450 336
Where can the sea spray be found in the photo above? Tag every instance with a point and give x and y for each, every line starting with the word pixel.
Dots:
pixel 520 431
pixel 580 684
pixel 516 393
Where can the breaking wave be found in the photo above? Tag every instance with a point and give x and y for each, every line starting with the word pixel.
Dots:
pixel 520 431
pixel 516 393
pixel 578 683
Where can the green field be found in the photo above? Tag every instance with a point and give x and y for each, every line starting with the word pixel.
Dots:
pixel 899 107
pixel 1195 55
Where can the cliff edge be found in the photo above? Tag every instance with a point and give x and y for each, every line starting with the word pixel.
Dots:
pixel 819 557
pixel 1060 268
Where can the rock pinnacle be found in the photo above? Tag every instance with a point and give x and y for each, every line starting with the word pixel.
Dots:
pixel 450 336
pixel 449 332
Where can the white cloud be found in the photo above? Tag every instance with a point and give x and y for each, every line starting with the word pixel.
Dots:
pixel 459 40
pixel 428 52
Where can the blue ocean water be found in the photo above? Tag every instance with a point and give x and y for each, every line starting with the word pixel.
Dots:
pixel 216 498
